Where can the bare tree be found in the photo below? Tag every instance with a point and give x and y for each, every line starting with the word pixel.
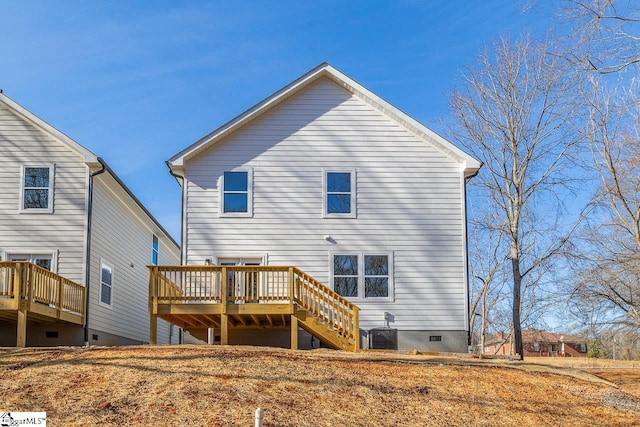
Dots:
pixel 488 278
pixel 606 36
pixel 609 254
pixel 514 111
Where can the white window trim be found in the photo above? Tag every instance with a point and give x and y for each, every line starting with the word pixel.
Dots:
pixel 353 213
pixel 361 275
pixel 249 213
pixel 52 175
pixel 226 256
pixel 103 264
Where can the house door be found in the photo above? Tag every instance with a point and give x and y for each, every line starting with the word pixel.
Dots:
pixel 242 285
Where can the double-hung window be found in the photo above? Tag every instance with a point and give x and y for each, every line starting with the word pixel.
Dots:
pixel 339 198
pixel 362 276
pixel 36 193
pixel 235 195
pixel 345 275
pixel 106 284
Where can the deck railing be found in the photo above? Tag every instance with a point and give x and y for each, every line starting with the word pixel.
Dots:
pixel 28 284
pixel 214 284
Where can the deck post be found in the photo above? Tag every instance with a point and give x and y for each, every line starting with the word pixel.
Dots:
pixel 17 286
pixel 60 299
pixel 291 290
pixel 21 335
pixel 224 319
pixel 356 327
pixel 224 329
pixel 294 332
pixel 21 305
pixel 153 329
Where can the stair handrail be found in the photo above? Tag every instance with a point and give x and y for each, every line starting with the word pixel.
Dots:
pixel 327 305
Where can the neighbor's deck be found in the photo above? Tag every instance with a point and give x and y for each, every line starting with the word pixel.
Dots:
pixel 223 297
pixel 31 292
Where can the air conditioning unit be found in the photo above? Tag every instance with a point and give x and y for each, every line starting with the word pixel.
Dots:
pixel 383 339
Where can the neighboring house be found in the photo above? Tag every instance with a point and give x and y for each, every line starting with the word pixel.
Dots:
pixel 329 179
pixel 70 229
pixel 538 344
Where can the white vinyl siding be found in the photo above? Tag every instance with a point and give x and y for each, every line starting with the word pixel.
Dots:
pixel 409 202
pixel 22 144
pixel 122 233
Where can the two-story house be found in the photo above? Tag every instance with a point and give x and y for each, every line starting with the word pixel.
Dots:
pixel 323 206
pixel 74 243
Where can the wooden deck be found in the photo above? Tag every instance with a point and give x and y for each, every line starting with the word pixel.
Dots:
pixel 31 292
pixel 234 297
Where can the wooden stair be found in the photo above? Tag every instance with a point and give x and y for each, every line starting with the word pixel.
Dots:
pixel 329 335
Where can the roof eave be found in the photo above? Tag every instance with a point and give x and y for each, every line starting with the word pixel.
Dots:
pixel 89 157
pixel 248 115
pixel 469 164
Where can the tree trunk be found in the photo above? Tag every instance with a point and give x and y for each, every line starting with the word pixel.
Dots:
pixel 483 326
pixel 517 287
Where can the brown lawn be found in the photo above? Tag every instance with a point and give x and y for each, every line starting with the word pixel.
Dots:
pixel 222 386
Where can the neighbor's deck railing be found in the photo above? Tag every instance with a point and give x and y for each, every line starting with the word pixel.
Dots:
pixel 41 291
pixel 252 284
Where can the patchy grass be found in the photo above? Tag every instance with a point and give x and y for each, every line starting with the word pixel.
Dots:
pixel 222 386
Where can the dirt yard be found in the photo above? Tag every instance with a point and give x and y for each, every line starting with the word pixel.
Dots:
pixel 222 386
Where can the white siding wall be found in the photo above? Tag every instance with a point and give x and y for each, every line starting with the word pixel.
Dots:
pixel 409 201
pixel 63 230
pixel 122 235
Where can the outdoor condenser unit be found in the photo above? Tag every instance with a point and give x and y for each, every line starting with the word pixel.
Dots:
pixel 383 339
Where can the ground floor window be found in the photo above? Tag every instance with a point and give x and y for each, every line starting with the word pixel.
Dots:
pixel 362 275
pixel 106 284
pixel 44 260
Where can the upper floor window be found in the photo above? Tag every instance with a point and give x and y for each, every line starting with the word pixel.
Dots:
pixel 236 194
pixel 363 276
pixel 106 284
pixel 36 194
pixel 155 249
pixel 339 194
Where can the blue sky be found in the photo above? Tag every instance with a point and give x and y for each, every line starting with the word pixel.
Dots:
pixel 137 81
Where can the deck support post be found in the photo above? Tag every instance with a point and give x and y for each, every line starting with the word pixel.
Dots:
pixel 153 329
pixel 21 335
pixel 224 329
pixel 294 332
pixel 224 317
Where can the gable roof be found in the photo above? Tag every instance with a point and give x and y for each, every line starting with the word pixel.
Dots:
pixel 469 164
pixel 90 159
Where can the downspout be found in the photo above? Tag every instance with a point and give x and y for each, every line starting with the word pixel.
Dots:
pixel 466 250
pixel 180 180
pixel 87 267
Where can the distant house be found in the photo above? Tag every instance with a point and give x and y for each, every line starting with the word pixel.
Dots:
pixel 74 242
pixel 323 207
pixel 538 344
